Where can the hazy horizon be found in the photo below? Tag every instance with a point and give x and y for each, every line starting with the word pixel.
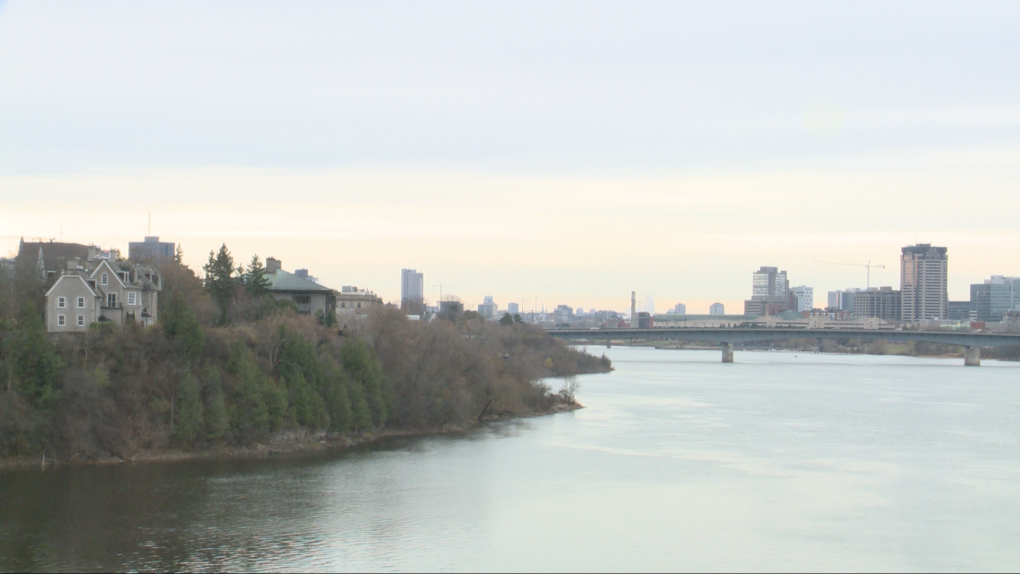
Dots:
pixel 573 151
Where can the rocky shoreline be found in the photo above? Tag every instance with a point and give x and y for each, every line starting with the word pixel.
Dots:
pixel 285 443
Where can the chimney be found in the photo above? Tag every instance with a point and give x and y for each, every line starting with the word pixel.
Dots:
pixel 273 265
pixel 633 310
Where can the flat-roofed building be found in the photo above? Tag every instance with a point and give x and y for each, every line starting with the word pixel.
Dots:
pixel 151 250
pixel 924 280
pixel 995 297
pixel 882 303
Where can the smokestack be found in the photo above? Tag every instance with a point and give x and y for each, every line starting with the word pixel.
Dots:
pixel 633 310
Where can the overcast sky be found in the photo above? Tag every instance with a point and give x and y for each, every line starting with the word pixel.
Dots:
pixel 572 151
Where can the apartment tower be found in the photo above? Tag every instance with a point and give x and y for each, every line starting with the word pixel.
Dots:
pixel 412 289
pixel 924 274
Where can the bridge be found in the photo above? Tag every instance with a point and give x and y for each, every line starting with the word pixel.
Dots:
pixel 727 337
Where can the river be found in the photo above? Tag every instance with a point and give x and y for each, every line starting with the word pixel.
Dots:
pixel 780 461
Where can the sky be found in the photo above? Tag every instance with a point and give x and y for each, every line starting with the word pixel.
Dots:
pixel 564 152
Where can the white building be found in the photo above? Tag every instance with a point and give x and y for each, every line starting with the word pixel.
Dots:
pixel 412 286
pixel 488 309
pixel 678 309
pixel 513 308
pixel 717 309
pixel 805 297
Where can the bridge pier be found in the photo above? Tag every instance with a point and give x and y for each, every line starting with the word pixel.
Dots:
pixel 972 356
pixel 727 352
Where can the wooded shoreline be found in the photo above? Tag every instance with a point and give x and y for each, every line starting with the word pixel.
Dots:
pixel 287 443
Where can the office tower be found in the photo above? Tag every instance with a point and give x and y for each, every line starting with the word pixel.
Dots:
pixel 152 250
pixel 883 303
pixel 717 309
pixel 412 288
pixel 805 297
pixel 995 297
pixel 770 293
pixel 924 274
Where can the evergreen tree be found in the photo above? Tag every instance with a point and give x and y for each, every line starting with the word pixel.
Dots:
pixel 365 371
pixel 179 255
pixel 306 406
pixel 255 281
pixel 216 422
pixel 261 402
pixel 39 369
pixel 190 420
pixel 181 325
pixel 220 280
pixel 338 401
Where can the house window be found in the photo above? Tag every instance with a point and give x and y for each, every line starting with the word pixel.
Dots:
pixel 131 299
pixel 60 321
pixel 111 299
pixel 303 299
pixel 125 276
pixel 81 320
pixel 81 302
pixel 61 302
pixel 104 280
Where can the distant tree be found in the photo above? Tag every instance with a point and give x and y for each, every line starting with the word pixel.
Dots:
pixel 190 400
pixel 517 318
pixel 216 421
pixel 220 281
pixel 256 283
pixel 180 324
pixel 39 368
pixel 506 319
pixel 363 367
pixel 179 255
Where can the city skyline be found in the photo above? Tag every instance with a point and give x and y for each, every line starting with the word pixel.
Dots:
pixel 689 146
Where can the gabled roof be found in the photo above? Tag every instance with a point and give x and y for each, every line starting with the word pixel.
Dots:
pixel 74 276
pixel 280 280
pixel 112 270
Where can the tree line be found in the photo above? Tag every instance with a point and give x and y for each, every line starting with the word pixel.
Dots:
pixel 228 364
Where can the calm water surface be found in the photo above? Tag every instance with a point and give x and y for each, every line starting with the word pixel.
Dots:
pixel 781 461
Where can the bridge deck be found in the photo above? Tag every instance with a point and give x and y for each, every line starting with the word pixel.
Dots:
pixel 749 335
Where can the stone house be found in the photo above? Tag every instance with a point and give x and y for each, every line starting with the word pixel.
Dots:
pixel 102 290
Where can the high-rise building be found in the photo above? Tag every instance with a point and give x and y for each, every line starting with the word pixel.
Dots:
pixel 769 282
pixel 805 297
pixel 924 272
pixel 488 308
pixel 678 309
pixel 770 293
pixel 883 303
pixel 152 250
pixel 842 300
pixel 717 309
pixel 412 288
pixel 995 297
pixel 513 308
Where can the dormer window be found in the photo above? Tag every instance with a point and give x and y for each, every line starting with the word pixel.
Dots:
pixel 104 280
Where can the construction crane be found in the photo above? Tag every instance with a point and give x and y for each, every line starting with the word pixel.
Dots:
pixel 868 265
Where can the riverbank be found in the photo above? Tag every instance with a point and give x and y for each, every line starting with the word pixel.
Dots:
pixel 288 442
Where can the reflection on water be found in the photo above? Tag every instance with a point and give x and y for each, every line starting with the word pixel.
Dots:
pixel 777 462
